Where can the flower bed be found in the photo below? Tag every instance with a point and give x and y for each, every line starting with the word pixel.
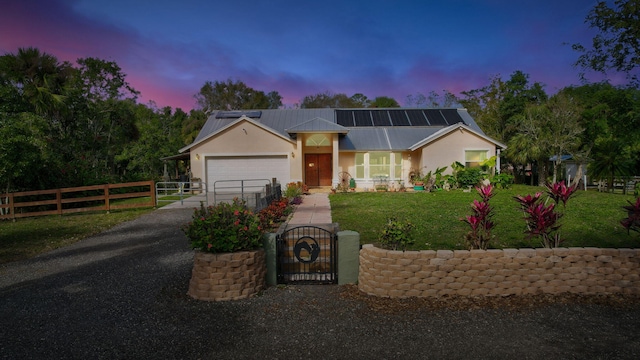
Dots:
pixel 432 273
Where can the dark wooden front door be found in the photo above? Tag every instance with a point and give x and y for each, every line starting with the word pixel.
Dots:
pixel 317 169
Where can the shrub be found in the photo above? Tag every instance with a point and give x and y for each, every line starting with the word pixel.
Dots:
pixel 469 177
pixel 632 221
pixel 396 234
pixel 480 220
pixel 543 220
pixel 224 228
pixel 504 181
pixel 271 216
pixel 293 190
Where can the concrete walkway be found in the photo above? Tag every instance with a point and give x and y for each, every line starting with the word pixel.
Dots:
pixel 315 209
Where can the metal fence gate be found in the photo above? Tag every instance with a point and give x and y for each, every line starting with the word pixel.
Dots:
pixel 307 254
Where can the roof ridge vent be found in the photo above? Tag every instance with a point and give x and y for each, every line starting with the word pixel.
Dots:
pixel 235 114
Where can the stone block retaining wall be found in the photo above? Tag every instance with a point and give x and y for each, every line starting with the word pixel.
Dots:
pixel 431 273
pixel 227 276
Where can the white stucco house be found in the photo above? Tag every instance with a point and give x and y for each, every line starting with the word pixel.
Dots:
pixel 315 146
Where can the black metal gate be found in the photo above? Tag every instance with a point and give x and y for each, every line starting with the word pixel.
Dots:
pixel 307 254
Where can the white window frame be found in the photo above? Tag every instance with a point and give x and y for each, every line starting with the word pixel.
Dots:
pixel 486 156
pixel 395 160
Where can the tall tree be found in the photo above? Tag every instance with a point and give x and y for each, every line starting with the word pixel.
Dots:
pixel 564 129
pixel 530 144
pixel 617 45
pixel 360 100
pixel 326 99
pixel 230 95
pixel 384 102
pixel 611 119
pixel 192 125
pixel 484 105
pixel 434 100
pixel 500 110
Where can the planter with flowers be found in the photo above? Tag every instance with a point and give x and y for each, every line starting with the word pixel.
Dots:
pixel 229 261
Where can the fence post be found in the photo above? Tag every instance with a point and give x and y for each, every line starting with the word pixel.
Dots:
pixel 11 207
pixel 59 201
pixel 152 190
pixel 269 244
pixel 106 198
pixel 348 257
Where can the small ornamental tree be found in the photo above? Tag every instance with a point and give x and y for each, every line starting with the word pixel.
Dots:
pixel 224 228
pixel 632 221
pixel 480 221
pixel 543 220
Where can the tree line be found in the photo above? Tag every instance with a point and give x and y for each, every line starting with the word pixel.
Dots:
pixel 64 125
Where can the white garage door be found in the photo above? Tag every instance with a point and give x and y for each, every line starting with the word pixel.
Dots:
pixel 244 168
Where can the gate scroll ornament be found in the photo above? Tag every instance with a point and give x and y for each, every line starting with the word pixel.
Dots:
pixel 308 244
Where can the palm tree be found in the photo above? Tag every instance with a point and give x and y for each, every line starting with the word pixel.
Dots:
pixel 612 159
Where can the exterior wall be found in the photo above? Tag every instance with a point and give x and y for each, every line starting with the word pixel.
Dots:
pixel 431 273
pixel 450 148
pixel 236 142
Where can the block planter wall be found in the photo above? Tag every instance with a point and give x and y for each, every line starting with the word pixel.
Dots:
pixel 227 276
pixel 431 273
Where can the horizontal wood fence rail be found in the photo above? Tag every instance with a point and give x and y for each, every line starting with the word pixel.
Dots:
pixel 11 207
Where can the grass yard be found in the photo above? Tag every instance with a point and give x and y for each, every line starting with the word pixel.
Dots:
pixel 591 219
pixel 28 237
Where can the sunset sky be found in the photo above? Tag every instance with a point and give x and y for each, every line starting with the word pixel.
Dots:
pixel 168 49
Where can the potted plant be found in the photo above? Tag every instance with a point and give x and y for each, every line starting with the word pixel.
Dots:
pixel 228 243
pixel 417 180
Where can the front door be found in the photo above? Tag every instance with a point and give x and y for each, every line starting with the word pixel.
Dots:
pixel 317 169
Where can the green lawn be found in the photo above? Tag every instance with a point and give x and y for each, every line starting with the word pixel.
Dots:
pixel 592 219
pixel 27 237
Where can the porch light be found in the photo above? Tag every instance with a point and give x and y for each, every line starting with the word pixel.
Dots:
pixel 197 156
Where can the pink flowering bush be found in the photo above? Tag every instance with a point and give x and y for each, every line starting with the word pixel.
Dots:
pixel 480 221
pixel 224 228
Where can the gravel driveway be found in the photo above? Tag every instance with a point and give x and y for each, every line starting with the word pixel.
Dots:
pixel 122 295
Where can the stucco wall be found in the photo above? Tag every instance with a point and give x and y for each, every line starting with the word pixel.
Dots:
pixel 498 272
pixel 450 148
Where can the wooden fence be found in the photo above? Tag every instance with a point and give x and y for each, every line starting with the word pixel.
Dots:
pixel 55 201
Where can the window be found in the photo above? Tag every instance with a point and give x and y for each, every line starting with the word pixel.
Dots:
pixel 360 165
pixel 473 158
pixel 318 140
pixel 375 164
pixel 379 164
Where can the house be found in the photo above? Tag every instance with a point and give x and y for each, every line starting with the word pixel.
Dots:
pixel 317 146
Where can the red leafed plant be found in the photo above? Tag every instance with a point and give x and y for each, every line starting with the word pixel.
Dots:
pixel 560 192
pixel 632 221
pixel 480 221
pixel 543 220
pixel 272 215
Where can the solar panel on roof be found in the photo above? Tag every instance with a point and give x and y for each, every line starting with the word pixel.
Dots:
pixel 452 116
pixel 380 118
pixel 417 118
pixel 362 117
pixel 344 118
pixel 399 118
pixel 435 117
